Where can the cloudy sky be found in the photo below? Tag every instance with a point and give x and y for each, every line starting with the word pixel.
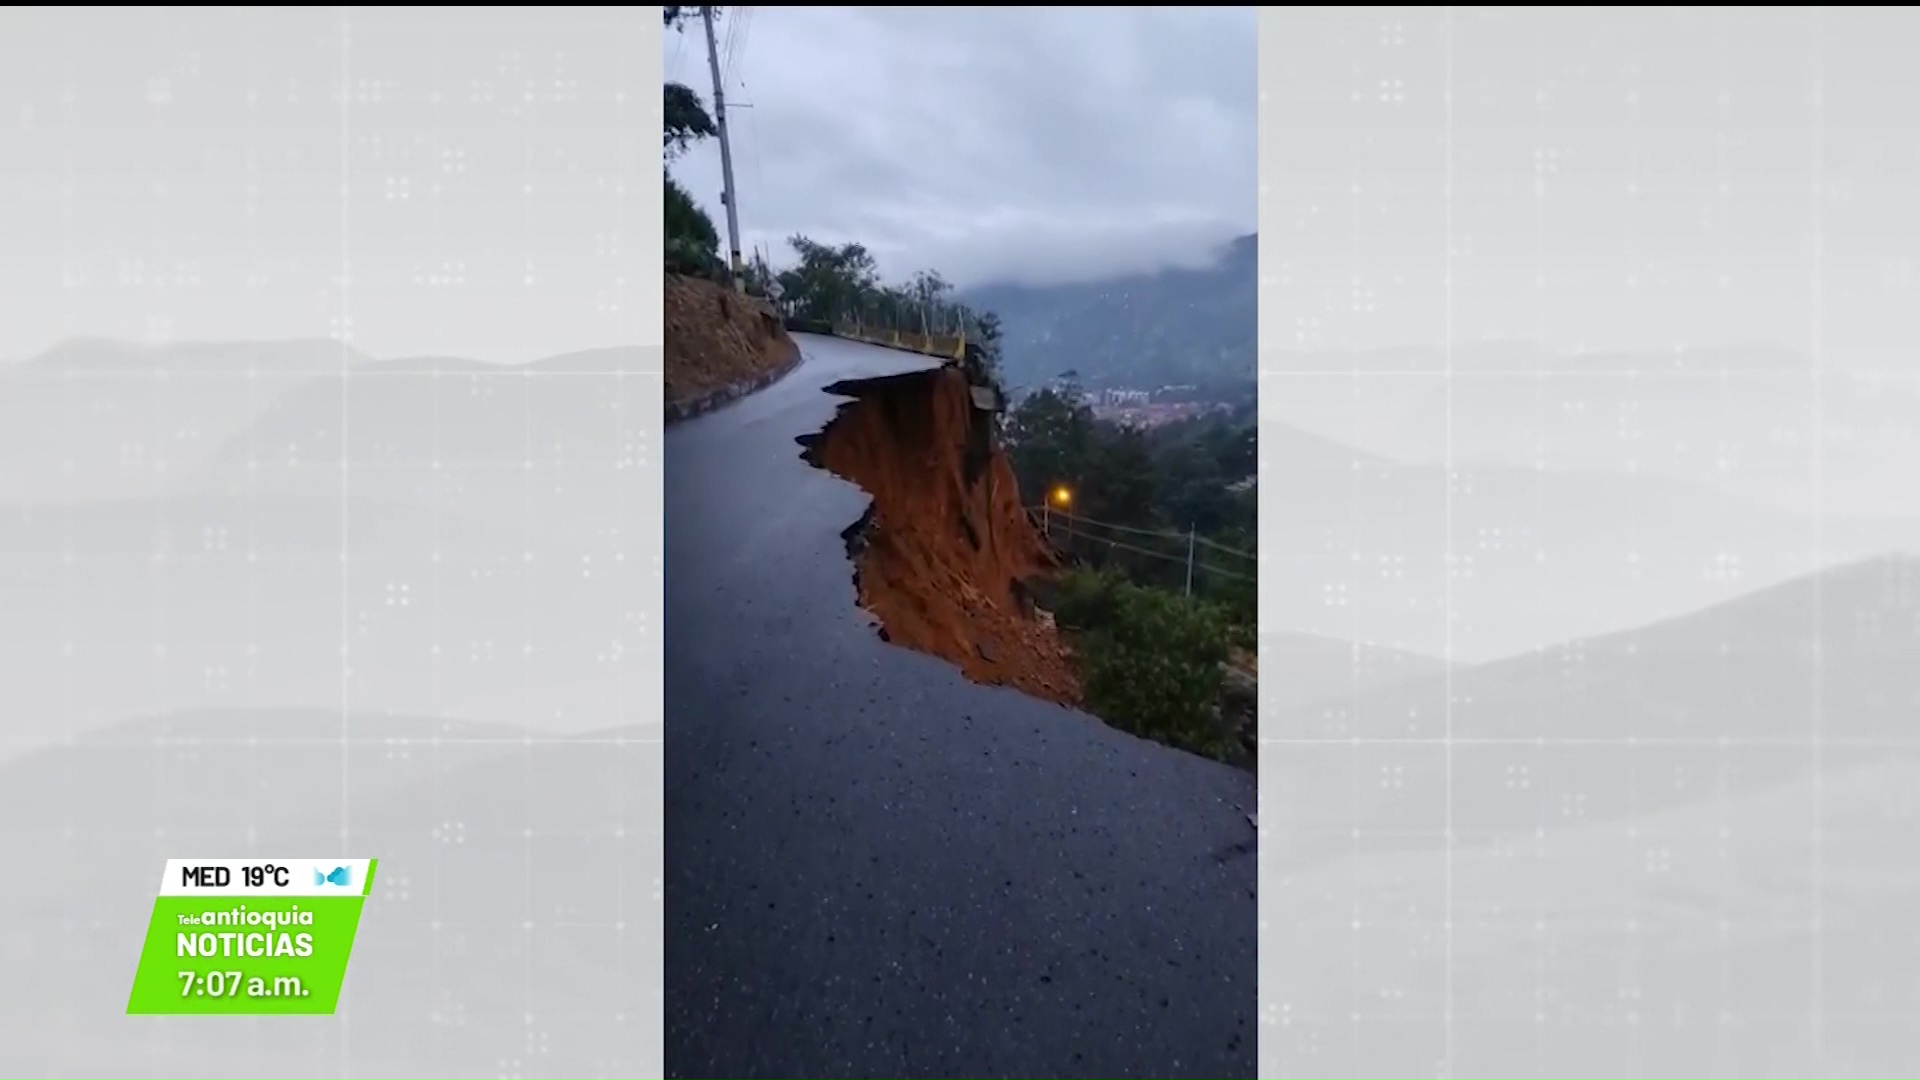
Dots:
pixel 1044 143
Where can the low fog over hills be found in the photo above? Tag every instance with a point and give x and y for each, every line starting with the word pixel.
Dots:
pixel 1178 326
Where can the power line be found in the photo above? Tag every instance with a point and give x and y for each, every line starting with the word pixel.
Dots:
pixel 1117 545
pixel 1117 528
pixel 1163 534
pixel 737 32
pixel 746 29
pixel 727 48
pixel 737 50
pixel 1217 546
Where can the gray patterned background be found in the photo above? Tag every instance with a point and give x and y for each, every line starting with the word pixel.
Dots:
pixel 263 594
pixel 1591 486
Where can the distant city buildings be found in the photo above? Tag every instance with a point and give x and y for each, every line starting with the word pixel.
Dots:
pixel 1135 408
pixel 1144 413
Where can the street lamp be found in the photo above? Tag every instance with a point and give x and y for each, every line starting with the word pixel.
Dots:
pixel 1061 496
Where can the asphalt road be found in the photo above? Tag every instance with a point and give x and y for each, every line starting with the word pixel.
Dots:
pixel 877 868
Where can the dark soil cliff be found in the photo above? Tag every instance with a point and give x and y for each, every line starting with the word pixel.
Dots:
pixel 944 556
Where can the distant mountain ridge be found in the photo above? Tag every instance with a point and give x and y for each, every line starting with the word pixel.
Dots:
pixel 1177 326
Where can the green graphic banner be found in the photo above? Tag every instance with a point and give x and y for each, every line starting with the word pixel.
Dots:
pixel 251 936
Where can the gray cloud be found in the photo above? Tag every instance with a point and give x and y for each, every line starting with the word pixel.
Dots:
pixel 1041 143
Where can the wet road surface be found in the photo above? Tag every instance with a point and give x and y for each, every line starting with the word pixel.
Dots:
pixel 877 868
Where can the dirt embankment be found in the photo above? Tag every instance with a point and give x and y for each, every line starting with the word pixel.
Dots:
pixel 720 344
pixel 944 555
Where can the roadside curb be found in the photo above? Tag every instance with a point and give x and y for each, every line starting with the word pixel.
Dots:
pixel 713 399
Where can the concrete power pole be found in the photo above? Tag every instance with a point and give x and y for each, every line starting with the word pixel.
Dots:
pixel 734 268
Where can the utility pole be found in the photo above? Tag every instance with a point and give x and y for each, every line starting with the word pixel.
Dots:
pixel 1190 536
pixel 726 155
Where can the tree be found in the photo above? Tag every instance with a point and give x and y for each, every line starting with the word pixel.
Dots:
pixel 929 286
pixel 926 294
pixel 1053 441
pixel 985 329
pixel 1049 436
pixel 829 282
pixel 1194 489
pixel 983 337
pixel 759 276
pixel 1117 481
pixel 1235 449
pixel 692 243
pixel 685 120
pixel 1237 590
pixel 676 16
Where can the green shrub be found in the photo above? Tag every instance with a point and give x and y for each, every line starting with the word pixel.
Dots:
pixel 1153 666
pixel 1238 600
pixel 1086 599
pixel 1242 635
pixel 692 243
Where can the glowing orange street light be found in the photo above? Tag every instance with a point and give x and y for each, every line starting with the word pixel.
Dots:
pixel 1062 496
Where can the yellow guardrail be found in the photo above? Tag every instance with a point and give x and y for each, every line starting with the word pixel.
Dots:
pixel 945 346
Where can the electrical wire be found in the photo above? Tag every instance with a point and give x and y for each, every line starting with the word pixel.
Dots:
pixel 753 127
pixel 737 22
pixel 1166 534
pixel 746 33
pixel 1220 547
pixel 1199 567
